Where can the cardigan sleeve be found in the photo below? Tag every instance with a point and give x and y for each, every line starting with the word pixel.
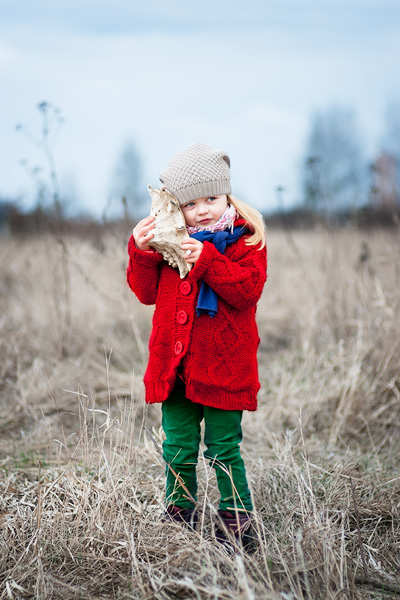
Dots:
pixel 143 273
pixel 239 282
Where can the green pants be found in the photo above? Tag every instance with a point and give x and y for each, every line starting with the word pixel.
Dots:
pixel 181 420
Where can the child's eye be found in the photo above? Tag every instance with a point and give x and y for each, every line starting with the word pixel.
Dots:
pixel 188 205
pixel 211 198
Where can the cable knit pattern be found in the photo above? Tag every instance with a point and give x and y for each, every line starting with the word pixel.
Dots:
pixel 216 357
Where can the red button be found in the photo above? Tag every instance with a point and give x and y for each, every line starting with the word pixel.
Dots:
pixel 178 347
pixel 181 317
pixel 186 288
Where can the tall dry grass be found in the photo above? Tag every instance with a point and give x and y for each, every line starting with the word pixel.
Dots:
pixel 82 480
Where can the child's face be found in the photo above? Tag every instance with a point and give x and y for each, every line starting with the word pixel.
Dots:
pixel 204 212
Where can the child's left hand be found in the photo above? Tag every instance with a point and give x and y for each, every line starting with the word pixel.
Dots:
pixel 191 249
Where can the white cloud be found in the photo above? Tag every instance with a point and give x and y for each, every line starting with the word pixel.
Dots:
pixel 9 55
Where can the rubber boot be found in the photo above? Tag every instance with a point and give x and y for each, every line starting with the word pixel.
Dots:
pixel 186 516
pixel 234 530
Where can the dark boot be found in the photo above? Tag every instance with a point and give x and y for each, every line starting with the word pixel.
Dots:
pixel 186 516
pixel 234 529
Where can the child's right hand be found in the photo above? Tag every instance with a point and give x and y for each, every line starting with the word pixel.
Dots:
pixel 142 233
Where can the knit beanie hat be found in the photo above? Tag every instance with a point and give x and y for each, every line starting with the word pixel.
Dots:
pixel 197 172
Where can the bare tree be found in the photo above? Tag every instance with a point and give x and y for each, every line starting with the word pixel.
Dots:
pixel 126 186
pixel 335 172
pixel 391 140
pixel 391 144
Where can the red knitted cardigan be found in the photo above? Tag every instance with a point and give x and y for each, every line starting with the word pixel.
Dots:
pixel 216 357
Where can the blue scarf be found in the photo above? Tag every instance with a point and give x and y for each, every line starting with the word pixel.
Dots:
pixel 207 303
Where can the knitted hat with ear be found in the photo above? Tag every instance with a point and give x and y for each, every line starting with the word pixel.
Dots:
pixel 197 172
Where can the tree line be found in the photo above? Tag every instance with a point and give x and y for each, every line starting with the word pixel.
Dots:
pixel 339 179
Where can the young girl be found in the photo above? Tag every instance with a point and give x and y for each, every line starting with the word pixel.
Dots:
pixel 202 349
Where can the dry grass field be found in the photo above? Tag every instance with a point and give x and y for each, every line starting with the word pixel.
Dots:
pixel 81 478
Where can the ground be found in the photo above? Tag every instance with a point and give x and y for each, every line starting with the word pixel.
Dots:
pixel 81 475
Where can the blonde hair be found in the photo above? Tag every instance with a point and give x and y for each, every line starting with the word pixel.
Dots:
pixel 254 219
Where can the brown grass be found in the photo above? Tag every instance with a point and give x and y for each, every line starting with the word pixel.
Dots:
pixel 82 481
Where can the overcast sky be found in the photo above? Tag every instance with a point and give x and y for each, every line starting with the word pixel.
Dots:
pixel 243 76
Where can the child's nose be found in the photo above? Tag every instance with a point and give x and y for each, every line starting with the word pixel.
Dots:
pixel 203 208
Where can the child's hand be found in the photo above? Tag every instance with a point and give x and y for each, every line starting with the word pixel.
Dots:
pixel 191 249
pixel 142 233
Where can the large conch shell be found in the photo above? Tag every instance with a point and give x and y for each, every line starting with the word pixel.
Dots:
pixel 170 229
